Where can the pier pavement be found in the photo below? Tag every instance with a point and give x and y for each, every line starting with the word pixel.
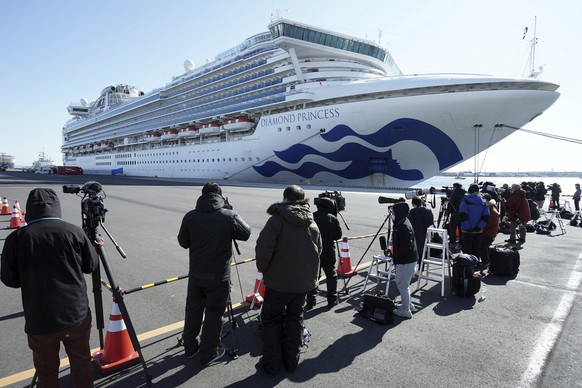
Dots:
pixel 526 333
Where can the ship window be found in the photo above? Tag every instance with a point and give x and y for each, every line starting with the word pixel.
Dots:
pixel 230 159
pixel 242 159
pixel 308 126
pixel 298 127
pixel 279 129
pixel 288 128
pixel 236 159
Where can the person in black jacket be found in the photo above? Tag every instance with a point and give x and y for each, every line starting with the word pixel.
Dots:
pixel 47 260
pixel 208 232
pixel 331 230
pixel 421 219
pixel 405 257
pixel 556 190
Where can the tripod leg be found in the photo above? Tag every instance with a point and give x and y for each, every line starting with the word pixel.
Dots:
pixel 233 353
pixel 122 308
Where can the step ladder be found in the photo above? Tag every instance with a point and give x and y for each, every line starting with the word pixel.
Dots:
pixel 433 267
pixel 381 269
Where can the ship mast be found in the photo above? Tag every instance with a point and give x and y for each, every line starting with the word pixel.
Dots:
pixel 532 54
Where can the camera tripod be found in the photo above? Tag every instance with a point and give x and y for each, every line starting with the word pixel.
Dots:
pixel 388 220
pixel 90 224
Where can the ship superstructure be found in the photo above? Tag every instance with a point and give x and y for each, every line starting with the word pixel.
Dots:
pixel 300 104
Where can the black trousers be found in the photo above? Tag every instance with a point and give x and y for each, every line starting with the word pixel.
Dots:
pixel 210 302
pixel 281 329
pixel 472 243
pixel 328 267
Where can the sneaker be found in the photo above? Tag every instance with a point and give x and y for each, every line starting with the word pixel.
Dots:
pixel 413 308
pixel 402 313
pixel 192 353
pixel 218 354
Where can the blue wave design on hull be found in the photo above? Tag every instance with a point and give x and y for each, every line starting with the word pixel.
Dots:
pixel 364 160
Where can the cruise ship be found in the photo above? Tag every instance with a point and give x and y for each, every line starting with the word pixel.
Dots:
pixel 300 104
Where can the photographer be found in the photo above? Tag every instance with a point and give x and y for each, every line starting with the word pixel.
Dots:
pixel 330 229
pixel 421 219
pixel 556 190
pixel 518 213
pixel 47 260
pixel 208 232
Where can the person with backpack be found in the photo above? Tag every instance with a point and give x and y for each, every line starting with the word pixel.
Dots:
pixel 518 213
pixel 474 214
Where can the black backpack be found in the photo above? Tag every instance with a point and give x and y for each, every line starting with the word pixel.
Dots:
pixel 464 282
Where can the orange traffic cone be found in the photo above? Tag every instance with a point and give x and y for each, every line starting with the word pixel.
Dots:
pixel 23 219
pixel 118 352
pixel 14 219
pixel 258 294
pixel 18 207
pixel 5 207
pixel 344 267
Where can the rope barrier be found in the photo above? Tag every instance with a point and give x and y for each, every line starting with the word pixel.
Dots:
pixel 170 280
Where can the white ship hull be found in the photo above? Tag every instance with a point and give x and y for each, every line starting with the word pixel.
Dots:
pixel 372 131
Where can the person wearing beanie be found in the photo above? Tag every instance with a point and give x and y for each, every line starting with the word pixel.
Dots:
pixel 47 260
pixel 518 213
pixel 474 214
pixel 287 252
pixel 405 257
pixel 208 232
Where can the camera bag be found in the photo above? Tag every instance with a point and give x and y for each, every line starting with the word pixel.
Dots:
pixel 377 307
pixel 503 261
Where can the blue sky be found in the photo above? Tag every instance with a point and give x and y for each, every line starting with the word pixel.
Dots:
pixel 60 51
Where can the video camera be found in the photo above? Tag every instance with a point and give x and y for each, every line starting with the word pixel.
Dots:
pixel 336 196
pixel 92 206
pixel 88 188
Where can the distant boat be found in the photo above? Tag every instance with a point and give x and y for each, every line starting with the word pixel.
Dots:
pixel 459 175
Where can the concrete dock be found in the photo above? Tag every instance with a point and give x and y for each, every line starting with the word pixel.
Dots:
pixel 526 333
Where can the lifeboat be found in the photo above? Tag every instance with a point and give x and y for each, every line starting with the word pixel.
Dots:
pixel 188 132
pixel 210 128
pixel 152 137
pixel 238 124
pixel 170 134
